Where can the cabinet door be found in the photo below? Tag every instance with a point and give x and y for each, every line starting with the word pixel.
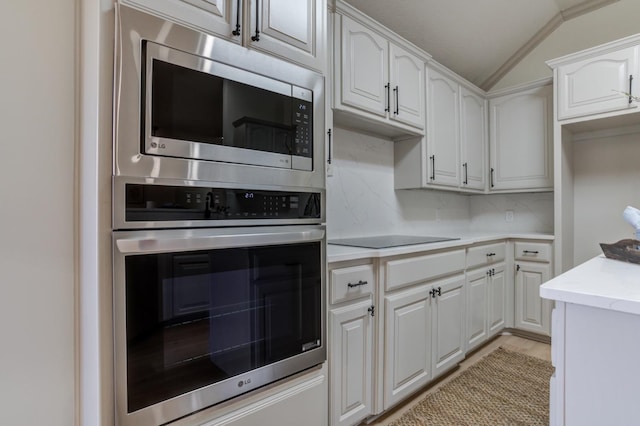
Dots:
pixel 477 293
pixel 407 361
pixel 497 292
pixel 448 344
pixel 592 85
pixel 292 29
pixel 350 363
pixel 443 167
pixel 407 87
pixel 364 71
pixel 532 313
pixel 473 140
pixel 521 134
pixel 218 17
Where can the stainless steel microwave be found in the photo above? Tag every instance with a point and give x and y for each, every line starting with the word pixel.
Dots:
pixel 192 106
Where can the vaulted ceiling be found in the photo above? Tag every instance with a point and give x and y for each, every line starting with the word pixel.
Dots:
pixel 481 40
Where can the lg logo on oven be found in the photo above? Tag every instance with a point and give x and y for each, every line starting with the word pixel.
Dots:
pixel 157 145
pixel 241 383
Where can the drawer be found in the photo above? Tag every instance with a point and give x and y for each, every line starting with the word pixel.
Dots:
pixel 485 254
pixel 537 252
pixel 351 283
pixel 413 270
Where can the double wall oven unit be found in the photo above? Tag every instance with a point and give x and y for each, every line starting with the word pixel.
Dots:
pixel 218 219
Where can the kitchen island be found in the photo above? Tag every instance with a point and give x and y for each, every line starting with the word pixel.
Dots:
pixel 595 344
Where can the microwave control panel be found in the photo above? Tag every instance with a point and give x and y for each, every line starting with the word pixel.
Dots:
pixel 163 203
pixel 303 146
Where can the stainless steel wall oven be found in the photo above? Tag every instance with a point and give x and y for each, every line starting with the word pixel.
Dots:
pixel 218 220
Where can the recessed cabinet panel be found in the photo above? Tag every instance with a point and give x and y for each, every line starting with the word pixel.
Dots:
pixel 593 85
pixel 520 140
pixel 473 140
pixel 477 306
pixel 485 254
pixel 407 87
pixel 407 343
pixel 217 17
pixel 416 269
pixel 286 28
pixel 351 282
pixel 497 288
pixel 443 141
pixel 532 313
pixel 350 363
pixel 364 73
pixel 448 324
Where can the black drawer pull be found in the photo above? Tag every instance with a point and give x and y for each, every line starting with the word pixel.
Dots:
pixel 358 284
pixel 530 251
pixel 490 254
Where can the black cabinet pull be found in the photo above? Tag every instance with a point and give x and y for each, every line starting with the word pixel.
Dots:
pixel 358 284
pixel 256 36
pixel 387 106
pixel 436 292
pixel 630 88
pixel 490 254
pixel 372 310
pixel 236 32
pixel 329 154
pixel 517 268
pixel 433 167
pixel 466 180
pixel 491 177
pixel 396 92
pixel 530 251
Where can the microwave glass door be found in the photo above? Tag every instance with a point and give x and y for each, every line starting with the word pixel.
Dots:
pixel 199 317
pixel 206 110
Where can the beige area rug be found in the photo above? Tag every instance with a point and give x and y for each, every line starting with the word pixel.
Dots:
pixel 504 388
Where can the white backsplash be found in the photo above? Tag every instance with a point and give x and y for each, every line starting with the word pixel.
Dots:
pixel 361 200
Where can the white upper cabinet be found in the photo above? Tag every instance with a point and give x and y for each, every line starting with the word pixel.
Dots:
pixel 593 85
pixel 454 153
pixel 294 30
pixel 364 71
pixel 378 83
pixel 407 87
pixel 443 129
pixel 521 135
pixel 473 140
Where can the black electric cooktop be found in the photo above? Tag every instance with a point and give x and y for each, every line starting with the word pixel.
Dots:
pixel 386 241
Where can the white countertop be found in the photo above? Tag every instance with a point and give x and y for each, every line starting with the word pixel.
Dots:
pixel 336 253
pixel 600 283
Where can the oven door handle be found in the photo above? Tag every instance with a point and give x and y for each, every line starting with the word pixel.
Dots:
pixel 132 242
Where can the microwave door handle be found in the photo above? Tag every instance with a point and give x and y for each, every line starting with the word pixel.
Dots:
pixel 155 242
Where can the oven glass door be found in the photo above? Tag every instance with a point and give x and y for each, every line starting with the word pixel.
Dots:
pixel 195 318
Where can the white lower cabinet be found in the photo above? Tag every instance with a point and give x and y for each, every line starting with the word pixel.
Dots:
pixel 351 352
pixel 408 329
pixel 532 313
pixel 486 303
pixel 351 322
pixel 532 269
pixel 424 335
pixel 448 315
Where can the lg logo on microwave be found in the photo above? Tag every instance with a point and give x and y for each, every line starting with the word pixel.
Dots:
pixel 156 145
pixel 241 383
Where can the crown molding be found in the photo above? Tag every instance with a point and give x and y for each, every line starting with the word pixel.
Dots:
pixel 540 36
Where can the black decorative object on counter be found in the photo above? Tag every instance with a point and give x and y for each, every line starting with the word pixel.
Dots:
pixel 625 250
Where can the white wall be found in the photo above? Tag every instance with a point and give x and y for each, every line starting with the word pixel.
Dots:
pixel 606 180
pixel 37 214
pixel 361 199
pixel 609 23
